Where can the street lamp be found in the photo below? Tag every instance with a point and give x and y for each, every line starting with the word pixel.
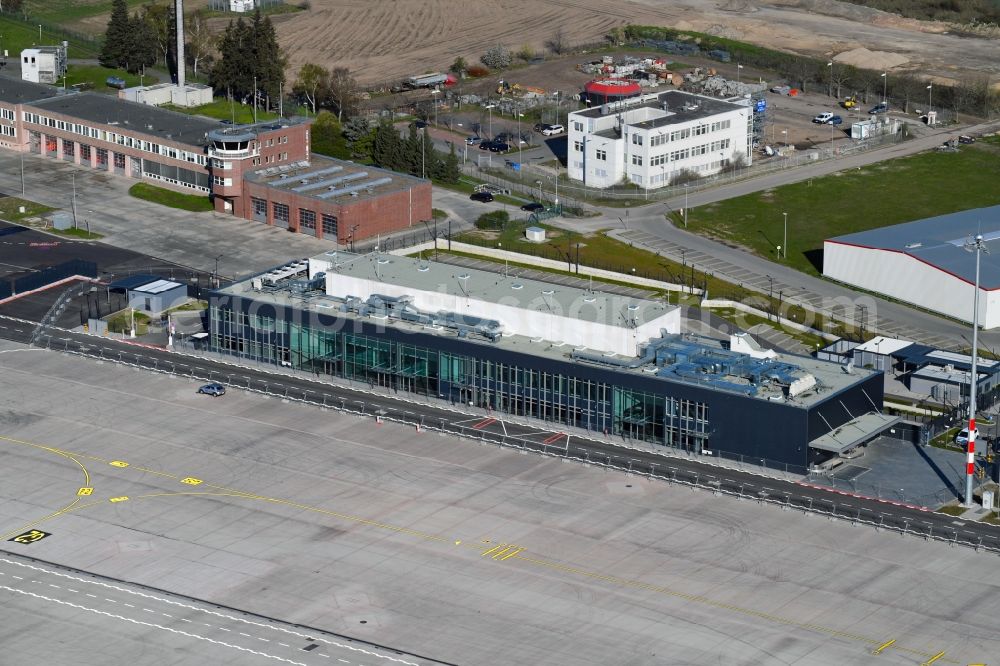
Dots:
pixel 74 200
pixel 885 81
pixel 830 86
pixel 738 68
pixel 435 92
pixel 784 137
pixel 930 91
pixel 785 245
pixel 978 246
pixel 539 183
pixel 216 274
pixel 490 107
pixel 685 205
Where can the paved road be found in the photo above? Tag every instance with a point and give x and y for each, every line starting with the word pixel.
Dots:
pixel 118 622
pixel 646 227
pixel 490 427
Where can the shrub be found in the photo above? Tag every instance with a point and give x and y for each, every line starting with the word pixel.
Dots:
pixel 493 221
pixel 497 57
pixel 477 71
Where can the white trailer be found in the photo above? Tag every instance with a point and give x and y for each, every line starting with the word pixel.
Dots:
pixel 426 80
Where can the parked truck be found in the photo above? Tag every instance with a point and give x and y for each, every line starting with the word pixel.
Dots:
pixel 426 81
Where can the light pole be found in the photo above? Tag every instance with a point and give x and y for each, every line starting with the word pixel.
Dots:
pixel 517 110
pixel 930 91
pixel 423 161
pixel 74 200
pixel 977 245
pixel 785 245
pixel 784 137
pixel 435 92
pixel 539 183
pixel 738 68
pixel 39 34
pixel 216 274
pixel 685 205
pixel 885 82
pixel 490 107
pixel 22 173
pixel 830 86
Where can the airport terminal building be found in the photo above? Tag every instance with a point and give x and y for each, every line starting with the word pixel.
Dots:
pixel 609 364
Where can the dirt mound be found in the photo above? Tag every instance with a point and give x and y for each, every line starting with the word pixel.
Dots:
pixel 874 60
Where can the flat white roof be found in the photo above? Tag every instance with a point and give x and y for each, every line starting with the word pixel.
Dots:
pixel 158 287
pixel 883 345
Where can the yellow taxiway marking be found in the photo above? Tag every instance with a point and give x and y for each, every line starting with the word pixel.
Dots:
pixel 877 651
pixel 501 552
pixel 933 659
pixel 191 481
pixel 83 492
pixel 118 463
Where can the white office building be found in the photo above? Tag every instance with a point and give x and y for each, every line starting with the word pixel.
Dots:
pixel 44 64
pixel 647 140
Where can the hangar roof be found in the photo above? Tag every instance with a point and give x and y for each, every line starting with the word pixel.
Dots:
pixel 938 241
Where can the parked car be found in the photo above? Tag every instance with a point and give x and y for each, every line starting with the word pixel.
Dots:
pixel 962 438
pixel 498 147
pixel 472 140
pixel 823 118
pixel 483 197
pixel 533 207
pixel 213 389
pixel 879 108
pixel 541 127
pixel 835 120
pixel 552 130
pixel 965 138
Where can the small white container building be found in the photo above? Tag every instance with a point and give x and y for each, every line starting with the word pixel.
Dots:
pixel 44 64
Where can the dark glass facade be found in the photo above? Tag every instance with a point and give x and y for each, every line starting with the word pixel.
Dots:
pixel 626 404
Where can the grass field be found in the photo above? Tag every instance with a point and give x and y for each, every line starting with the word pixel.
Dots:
pixel 16 35
pixel 68 11
pixel 222 109
pixel 190 202
pixel 97 76
pixel 9 209
pixel 879 195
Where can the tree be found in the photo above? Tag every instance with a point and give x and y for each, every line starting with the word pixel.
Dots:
pixel 557 42
pixel 200 40
pixel 267 62
pixel 313 84
pixel 459 66
pixel 451 170
pixel 359 135
pixel 497 57
pixel 159 18
pixel 231 73
pixel 343 92
pixel 327 137
pixel 387 147
pixel 525 53
pixel 11 6
pixel 841 76
pixel 117 39
pixel 142 48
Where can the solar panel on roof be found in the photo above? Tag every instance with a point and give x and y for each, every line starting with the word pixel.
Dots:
pixel 332 181
pixel 354 188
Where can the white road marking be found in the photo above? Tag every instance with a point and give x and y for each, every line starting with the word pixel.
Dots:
pixel 150 624
pixel 259 625
pixel 111 600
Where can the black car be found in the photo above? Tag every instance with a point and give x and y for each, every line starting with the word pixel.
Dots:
pixel 499 147
pixel 533 207
pixel 484 197
pixel 485 145
pixel 965 138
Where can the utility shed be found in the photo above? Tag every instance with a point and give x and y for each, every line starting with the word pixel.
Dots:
pixel 149 293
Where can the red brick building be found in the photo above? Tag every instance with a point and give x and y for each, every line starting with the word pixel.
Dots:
pixel 246 169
